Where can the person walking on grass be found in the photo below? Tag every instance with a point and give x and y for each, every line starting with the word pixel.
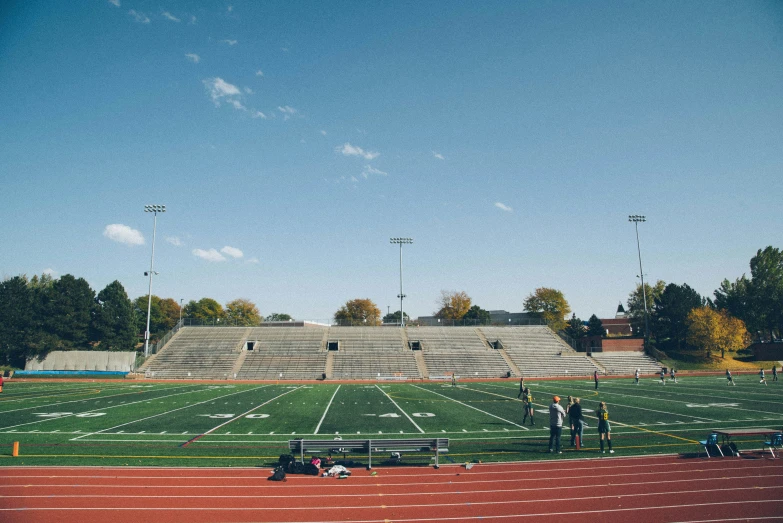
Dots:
pixel 556 417
pixel 774 373
pixel 636 376
pixel 604 429
pixel 729 378
pixel 521 386
pixel 527 406
pixel 577 422
pixel 663 376
pixel 595 377
pixel 673 375
pixel 453 379
pixel 763 378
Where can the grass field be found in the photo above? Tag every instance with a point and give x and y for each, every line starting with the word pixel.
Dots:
pixel 143 423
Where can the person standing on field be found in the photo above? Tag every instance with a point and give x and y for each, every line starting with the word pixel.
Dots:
pixel 774 373
pixel 556 417
pixel 604 429
pixel 729 378
pixel 527 406
pixel 595 377
pixel 763 378
pixel 577 422
pixel 521 386
pixel 636 376
pixel 663 376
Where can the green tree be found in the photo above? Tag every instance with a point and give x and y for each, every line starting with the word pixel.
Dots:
pixel 575 328
pixel 358 312
pixel 550 305
pixel 243 312
pixel 670 315
pixel 595 327
pixel 476 316
pixel 16 311
pixel 394 318
pixel 67 307
pixel 113 319
pixel 279 316
pixel 635 310
pixel 736 298
pixel 453 305
pixel 164 314
pixel 205 311
pixel 766 269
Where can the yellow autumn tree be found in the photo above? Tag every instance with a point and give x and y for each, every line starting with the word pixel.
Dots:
pixel 712 330
pixel 550 305
pixel 453 305
pixel 361 311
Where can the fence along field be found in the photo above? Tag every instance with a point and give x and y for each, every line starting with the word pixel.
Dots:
pixel 138 423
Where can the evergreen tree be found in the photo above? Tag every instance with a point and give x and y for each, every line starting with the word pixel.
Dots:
pixel 67 308
pixel 112 321
pixel 595 327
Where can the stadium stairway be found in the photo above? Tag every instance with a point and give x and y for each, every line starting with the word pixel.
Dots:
pixel 513 366
pixel 421 364
pixel 329 367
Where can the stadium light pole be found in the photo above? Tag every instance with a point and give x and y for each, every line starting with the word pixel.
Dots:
pixel 154 209
pixel 635 218
pixel 401 296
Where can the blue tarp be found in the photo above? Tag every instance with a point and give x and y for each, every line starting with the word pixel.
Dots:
pixel 69 373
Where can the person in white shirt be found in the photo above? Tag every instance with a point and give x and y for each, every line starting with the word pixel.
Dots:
pixel 556 417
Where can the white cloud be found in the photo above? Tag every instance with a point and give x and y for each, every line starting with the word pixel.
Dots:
pixel 193 57
pixel 230 8
pixel 369 169
pixel 192 20
pixel 351 150
pixel 229 42
pixel 258 114
pixel 252 260
pixel 211 255
pixel 115 3
pixel 169 16
pixel 503 207
pixel 175 241
pixel 51 272
pixel 323 132
pixel 123 234
pixel 287 111
pixel 438 155
pixel 237 105
pixel 232 251
pixel 259 73
pixel 248 90
pixel 139 17
pixel 219 88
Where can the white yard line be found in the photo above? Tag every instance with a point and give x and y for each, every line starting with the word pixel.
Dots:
pixel 470 407
pixel 210 431
pixel 317 428
pixel 400 409
pixel 164 413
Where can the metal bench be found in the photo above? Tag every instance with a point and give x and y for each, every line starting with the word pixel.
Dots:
pixel 301 447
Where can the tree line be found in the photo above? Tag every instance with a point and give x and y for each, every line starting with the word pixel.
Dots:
pixel 42 314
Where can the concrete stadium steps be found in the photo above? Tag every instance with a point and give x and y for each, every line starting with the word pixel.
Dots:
pixel 626 362
pixel 450 338
pixel 365 365
pixel 288 339
pixel 199 353
pixel 465 363
pixel 537 351
pixel 272 366
pixel 368 338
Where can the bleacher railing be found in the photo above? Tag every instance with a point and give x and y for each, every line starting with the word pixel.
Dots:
pixel 165 339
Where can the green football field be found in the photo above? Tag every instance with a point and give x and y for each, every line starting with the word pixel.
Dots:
pixel 226 424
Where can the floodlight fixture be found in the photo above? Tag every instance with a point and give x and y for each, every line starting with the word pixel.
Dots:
pixel 636 219
pixel 401 296
pixel 154 209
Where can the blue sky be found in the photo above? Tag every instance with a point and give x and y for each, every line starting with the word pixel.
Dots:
pixel 290 140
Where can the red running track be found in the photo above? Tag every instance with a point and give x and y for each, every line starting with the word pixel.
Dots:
pixel 655 489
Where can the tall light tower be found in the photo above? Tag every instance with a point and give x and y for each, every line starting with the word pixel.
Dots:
pixel 401 296
pixel 155 209
pixel 635 218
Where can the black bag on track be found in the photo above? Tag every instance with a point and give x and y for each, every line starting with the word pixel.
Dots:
pixel 278 474
pixel 299 468
pixel 311 469
pixel 285 459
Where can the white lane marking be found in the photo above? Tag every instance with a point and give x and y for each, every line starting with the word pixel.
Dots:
pixel 318 427
pixel 400 409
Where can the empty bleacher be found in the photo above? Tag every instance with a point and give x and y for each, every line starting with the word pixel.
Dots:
pixel 198 353
pixel 371 352
pixel 626 362
pixel 538 351
pixel 458 350
pixel 289 353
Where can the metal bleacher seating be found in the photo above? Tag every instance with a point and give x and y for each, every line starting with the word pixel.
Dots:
pixel 292 353
pixel 538 351
pixel 458 350
pixel 626 362
pixel 371 352
pixel 198 353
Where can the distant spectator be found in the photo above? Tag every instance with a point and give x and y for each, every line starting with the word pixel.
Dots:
pixel 729 378
pixel 521 386
pixel 453 379
pixel 577 422
pixel 595 377
pixel 763 378
pixel 604 429
pixel 673 375
pixel 556 416
pixel 663 376
pixel 636 376
pixel 567 408
pixel 774 373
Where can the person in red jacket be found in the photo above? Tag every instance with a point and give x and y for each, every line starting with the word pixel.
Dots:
pixel 1 382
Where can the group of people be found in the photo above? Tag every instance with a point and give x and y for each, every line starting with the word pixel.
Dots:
pixel 576 421
pixel 762 376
